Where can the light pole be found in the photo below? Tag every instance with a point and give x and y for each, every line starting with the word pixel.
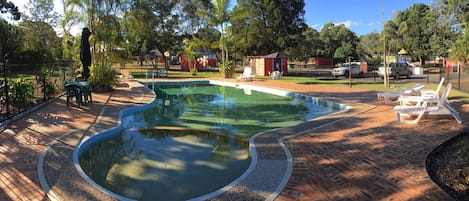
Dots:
pixel 386 76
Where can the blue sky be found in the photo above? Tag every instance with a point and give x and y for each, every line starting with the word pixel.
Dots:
pixel 360 16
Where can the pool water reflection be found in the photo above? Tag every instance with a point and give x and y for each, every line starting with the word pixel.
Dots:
pixel 194 140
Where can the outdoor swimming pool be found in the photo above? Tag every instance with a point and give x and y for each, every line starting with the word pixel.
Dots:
pixel 192 140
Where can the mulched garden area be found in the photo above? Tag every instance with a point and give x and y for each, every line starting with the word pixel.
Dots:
pixel 448 166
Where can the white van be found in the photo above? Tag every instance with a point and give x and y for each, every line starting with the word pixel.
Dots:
pixel 396 70
pixel 343 70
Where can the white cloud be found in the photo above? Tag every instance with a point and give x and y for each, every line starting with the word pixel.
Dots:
pixel 376 23
pixel 348 23
pixel 317 26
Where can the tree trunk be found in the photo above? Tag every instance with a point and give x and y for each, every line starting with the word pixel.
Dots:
pixel 422 61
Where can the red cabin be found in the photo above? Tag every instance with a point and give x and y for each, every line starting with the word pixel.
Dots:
pixel 452 66
pixel 323 61
pixel 206 59
pixel 264 65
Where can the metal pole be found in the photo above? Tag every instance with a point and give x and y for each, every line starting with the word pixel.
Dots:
pixel 441 68
pixel 428 74
pixel 386 76
pixel 459 76
pixel 350 72
pixel 5 80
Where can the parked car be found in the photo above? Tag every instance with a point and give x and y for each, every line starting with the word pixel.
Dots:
pixel 343 70
pixel 396 70
pixel 175 60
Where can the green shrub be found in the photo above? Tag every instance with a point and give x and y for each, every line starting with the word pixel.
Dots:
pixel 227 69
pixel 103 76
pixel 48 88
pixel 21 93
pixel 194 71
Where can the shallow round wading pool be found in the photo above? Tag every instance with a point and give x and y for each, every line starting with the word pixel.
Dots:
pixel 193 139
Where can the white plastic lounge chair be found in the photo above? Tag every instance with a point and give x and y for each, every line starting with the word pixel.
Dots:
pixel 433 93
pixel 150 74
pixel 441 108
pixel 247 75
pixel 276 75
pixel 426 96
pixel 162 73
pixel 392 97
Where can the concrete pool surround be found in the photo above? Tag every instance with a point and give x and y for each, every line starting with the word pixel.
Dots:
pixel 263 174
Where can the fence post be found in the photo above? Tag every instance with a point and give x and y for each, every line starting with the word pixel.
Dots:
pixel 4 62
pixel 459 76
pixel 44 88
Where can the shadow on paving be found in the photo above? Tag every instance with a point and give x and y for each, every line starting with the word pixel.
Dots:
pixel 61 176
pixel 365 156
pixel 359 159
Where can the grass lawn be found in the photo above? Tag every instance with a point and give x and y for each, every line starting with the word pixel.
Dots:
pixel 375 86
pixel 370 84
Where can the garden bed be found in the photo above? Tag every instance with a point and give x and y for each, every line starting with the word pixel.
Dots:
pixel 448 166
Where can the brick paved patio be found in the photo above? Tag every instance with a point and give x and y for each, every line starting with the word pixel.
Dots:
pixel 364 157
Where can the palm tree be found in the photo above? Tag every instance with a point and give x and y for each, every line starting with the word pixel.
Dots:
pixel 220 16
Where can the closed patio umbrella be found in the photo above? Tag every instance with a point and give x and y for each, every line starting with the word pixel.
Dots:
pixel 85 53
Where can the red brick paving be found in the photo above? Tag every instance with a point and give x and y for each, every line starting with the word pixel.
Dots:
pixel 365 157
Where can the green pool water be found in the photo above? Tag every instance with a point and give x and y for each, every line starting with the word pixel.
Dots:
pixel 194 140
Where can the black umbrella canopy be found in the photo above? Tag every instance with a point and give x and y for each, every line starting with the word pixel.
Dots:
pixel 156 52
pixel 85 53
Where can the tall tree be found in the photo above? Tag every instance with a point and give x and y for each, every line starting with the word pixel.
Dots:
pixel 221 15
pixel 139 23
pixel 443 33
pixel 413 29
pixel 189 13
pixel 218 15
pixel 344 52
pixel 166 37
pixel 458 12
pixel 42 11
pixel 40 42
pixel 460 50
pixel 307 44
pixel 335 36
pixel 270 24
pixel 40 38
pixel 419 23
pixel 370 47
pixel 9 39
pixel 151 25
pixel 207 38
pixel 9 7
pixel 240 31
pixel 102 17
pixel 394 36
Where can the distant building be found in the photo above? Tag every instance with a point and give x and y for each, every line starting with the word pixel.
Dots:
pixel 205 59
pixel 452 66
pixel 323 61
pixel 264 65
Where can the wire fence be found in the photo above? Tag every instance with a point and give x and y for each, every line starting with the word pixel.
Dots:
pixel 458 77
pixel 25 86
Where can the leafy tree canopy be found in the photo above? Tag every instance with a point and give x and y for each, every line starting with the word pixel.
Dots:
pixel 9 7
pixel 307 44
pixel 370 47
pixel 269 25
pixel 411 30
pixel 335 36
